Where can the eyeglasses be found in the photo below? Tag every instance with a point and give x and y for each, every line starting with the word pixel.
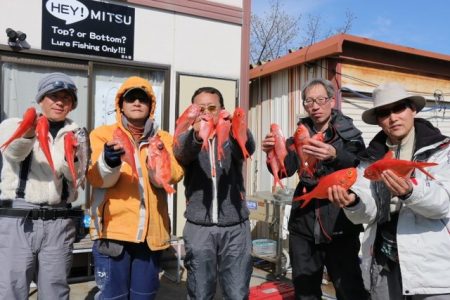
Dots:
pixel 63 85
pixel 309 102
pixel 210 108
pixel 396 109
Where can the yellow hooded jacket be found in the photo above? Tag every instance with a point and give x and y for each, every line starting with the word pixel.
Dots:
pixel 122 207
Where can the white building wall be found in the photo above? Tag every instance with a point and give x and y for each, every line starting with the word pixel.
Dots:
pixel 186 43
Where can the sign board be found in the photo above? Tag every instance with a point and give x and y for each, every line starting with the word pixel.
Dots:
pixel 88 27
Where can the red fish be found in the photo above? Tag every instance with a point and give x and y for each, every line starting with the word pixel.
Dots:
pixel 158 163
pixel 275 166
pixel 301 137
pixel 29 117
pixel 128 156
pixel 222 131
pixel 70 145
pixel 279 147
pixel 345 178
pixel 402 168
pixel 239 129
pixel 42 128
pixel 186 119
pixel 311 160
pixel 207 130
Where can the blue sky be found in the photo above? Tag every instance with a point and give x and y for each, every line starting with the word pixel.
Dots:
pixel 420 24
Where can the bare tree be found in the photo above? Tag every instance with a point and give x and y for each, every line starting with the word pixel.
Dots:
pixel 276 32
pixel 272 33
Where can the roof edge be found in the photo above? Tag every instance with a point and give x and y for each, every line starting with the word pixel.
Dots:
pixel 334 46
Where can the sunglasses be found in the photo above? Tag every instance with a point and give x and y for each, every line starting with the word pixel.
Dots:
pixel 62 85
pixel 210 108
pixel 141 98
pixel 396 109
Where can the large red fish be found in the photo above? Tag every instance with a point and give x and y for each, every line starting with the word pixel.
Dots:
pixel 186 119
pixel 280 146
pixel 158 163
pixel 28 119
pixel 42 128
pixel 70 145
pixel 301 137
pixel 239 129
pixel 311 160
pixel 128 156
pixel 345 178
pixel 275 166
pixel 402 168
pixel 222 131
pixel 207 130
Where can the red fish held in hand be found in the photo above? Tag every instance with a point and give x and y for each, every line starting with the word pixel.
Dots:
pixel 276 156
pixel 239 129
pixel 222 131
pixel 301 137
pixel 28 119
pixel 311 161
pixel 70 145
pixel 128 156
pixel 402 168
pixel 275 166
pixel 345 178
pixel 158 163
pixel 186 119
pixel 207 130
pixel 42 128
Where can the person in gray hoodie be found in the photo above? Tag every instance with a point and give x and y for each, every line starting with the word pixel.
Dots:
pixel 217 232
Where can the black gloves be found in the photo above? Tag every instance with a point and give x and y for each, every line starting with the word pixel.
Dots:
pixel 112 157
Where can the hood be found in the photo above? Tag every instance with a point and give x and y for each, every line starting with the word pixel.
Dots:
pixel 135 82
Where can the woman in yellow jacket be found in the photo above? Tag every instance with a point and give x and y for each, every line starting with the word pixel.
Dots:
pixel 130 221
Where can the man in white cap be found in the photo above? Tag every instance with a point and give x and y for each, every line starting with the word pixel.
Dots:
pixel 406 244
pixel 37 229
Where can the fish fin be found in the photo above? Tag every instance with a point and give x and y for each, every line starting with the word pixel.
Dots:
pixel 306 202
pixel 389 155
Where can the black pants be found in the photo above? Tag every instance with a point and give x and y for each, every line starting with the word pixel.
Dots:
pixel 342 262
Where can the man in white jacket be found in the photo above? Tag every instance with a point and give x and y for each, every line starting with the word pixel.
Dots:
pixel 406 244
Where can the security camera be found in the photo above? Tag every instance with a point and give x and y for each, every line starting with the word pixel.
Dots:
pixel 21 36
pixel 11 33
pixel 17 39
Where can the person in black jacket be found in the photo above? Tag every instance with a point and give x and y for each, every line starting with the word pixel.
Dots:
pixel 217 232
pixel 320 234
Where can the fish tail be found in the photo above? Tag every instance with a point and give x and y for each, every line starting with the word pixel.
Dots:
pixel 421 168
pixel 304 197
pixel 169 189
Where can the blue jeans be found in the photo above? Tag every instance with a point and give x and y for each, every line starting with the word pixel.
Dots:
pixel 134 274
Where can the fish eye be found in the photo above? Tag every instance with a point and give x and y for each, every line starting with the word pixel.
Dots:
pixel 160 146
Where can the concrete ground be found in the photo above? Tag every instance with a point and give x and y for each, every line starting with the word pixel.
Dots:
pixel 83 285
pixel 172 291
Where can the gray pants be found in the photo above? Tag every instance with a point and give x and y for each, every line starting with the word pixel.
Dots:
pixel 35 250
pixel 223 252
